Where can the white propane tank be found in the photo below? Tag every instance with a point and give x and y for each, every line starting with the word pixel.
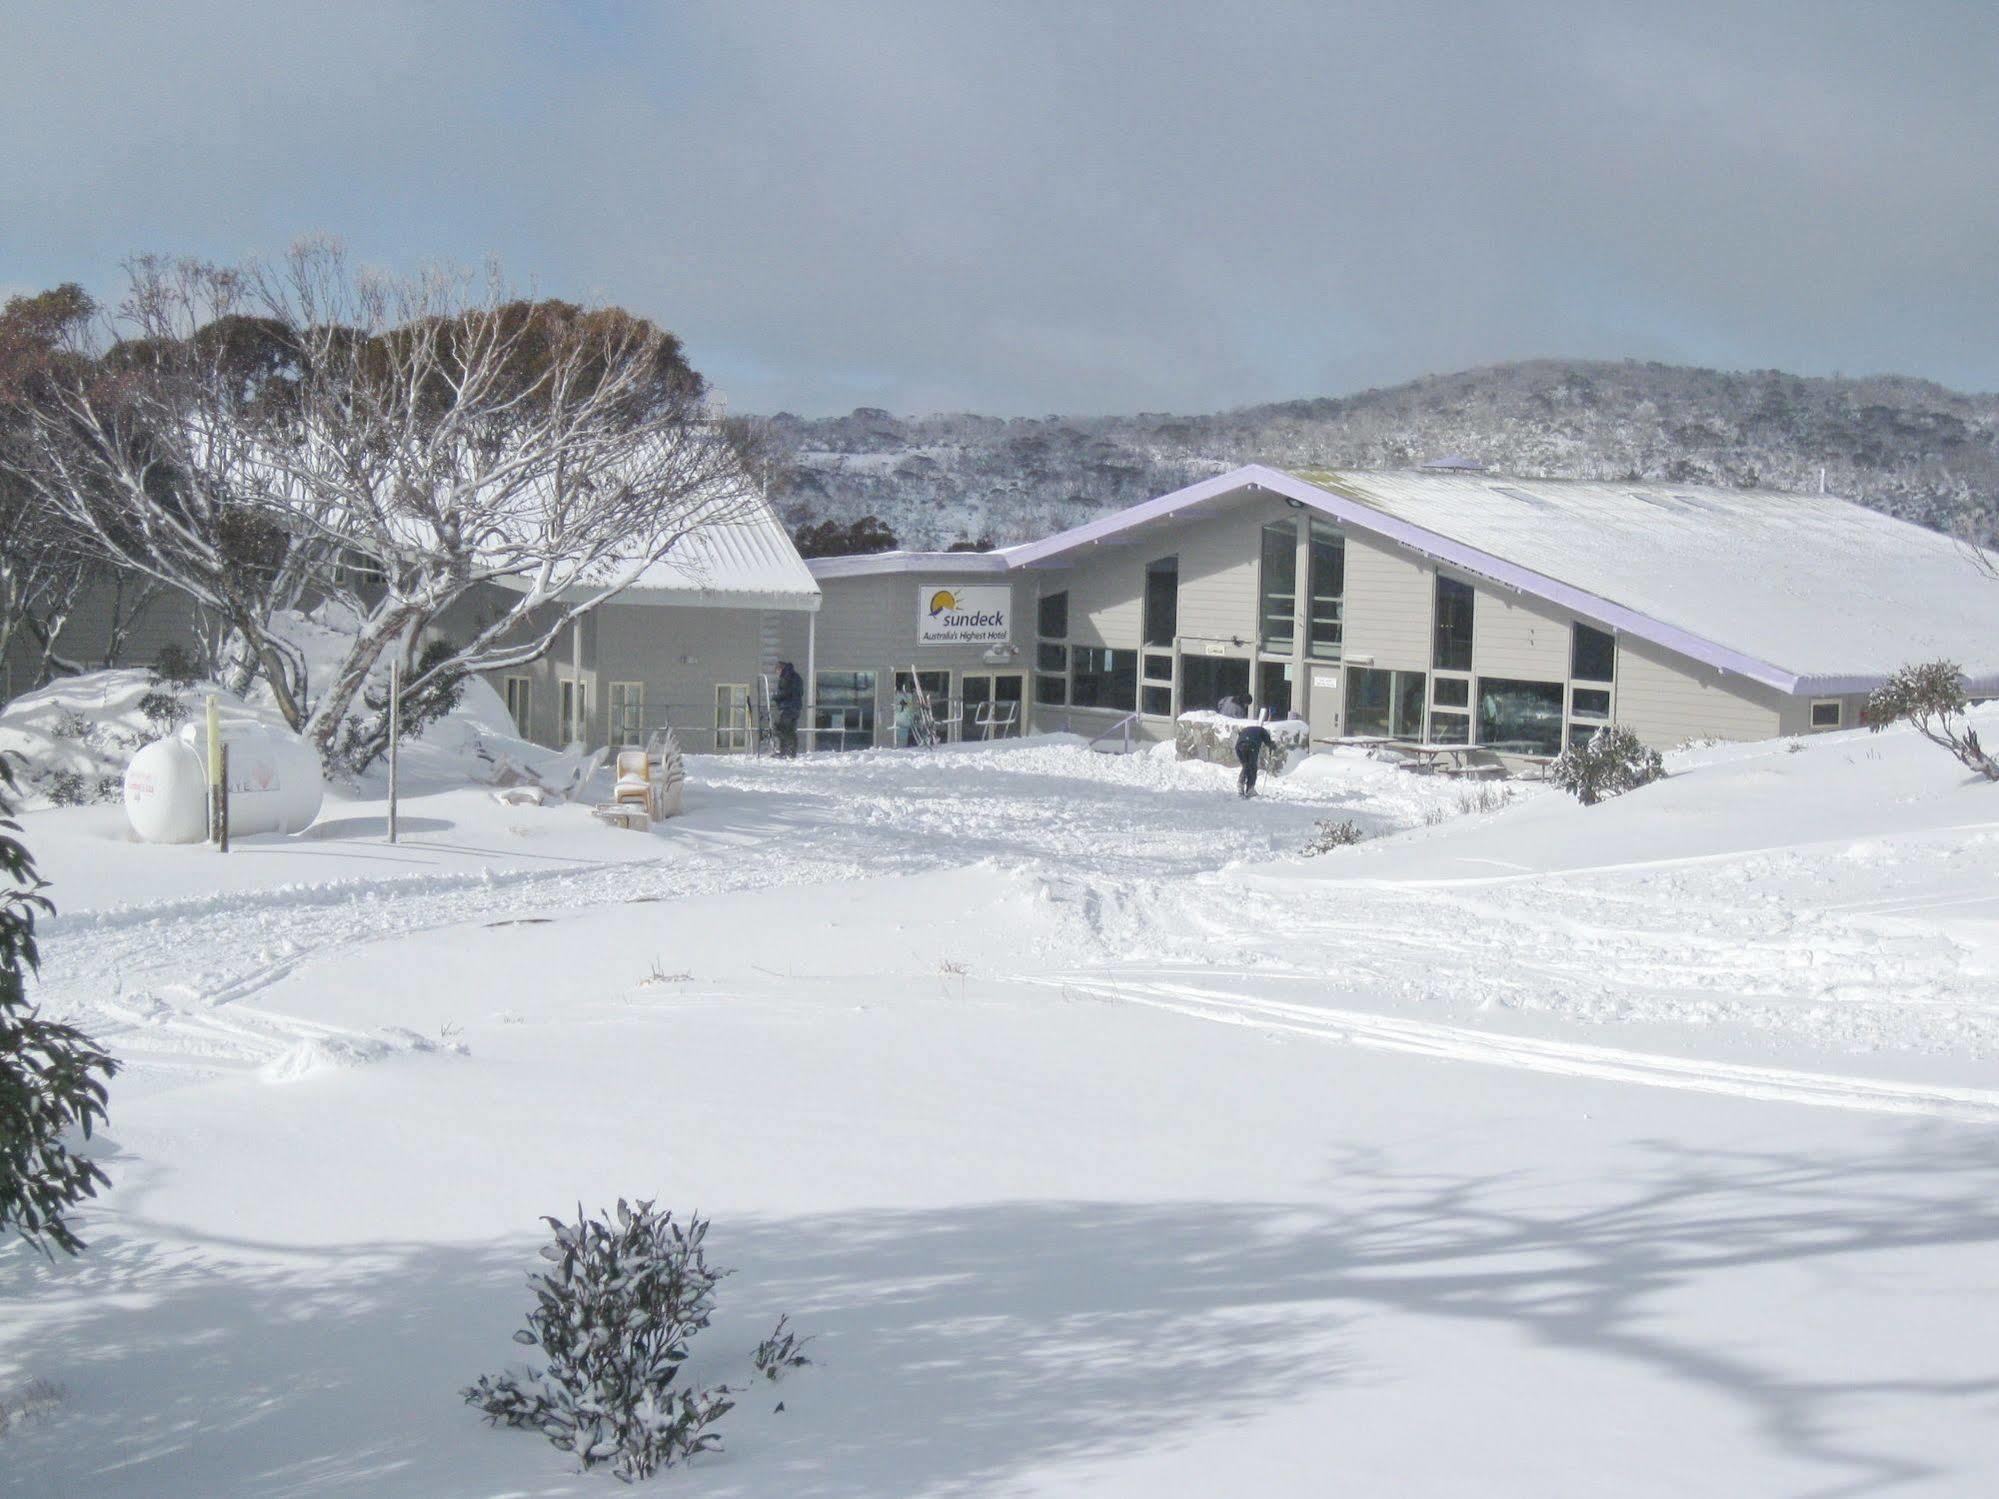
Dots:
pixel 274 784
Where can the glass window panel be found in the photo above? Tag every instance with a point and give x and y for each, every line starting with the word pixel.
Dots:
pixel 1157 701
pixel 1453 633
pixel 1278 610
pixel 1451 692
pixel 1159 668
pixel 1522 718
pixel 1450 728
pixel 1051 657
pixel 1162 601
pixel 627 704
pixel 1100 678
pixel 1370 702
pixel 1273 687
pixel 1580 734
pixel 1592 655
pixel 1825 715
pixel 1408 715
pixel 1590 702
pixel 1324 621
pixel 1054 615
pixel 845 709
pixel 1054 691
pixel 1206 680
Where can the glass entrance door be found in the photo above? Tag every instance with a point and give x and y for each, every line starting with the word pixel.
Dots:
pixel 993 704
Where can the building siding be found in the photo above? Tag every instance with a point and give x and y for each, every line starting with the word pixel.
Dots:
pixel 1518 637
pixel 1390 600
pixel 1666 699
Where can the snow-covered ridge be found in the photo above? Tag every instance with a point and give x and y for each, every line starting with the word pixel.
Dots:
pixel 1908 447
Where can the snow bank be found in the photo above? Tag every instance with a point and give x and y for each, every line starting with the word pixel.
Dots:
pixel 74 738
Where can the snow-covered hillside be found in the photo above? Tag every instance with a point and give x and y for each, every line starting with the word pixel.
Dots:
pixel 1909 447
pixel 1106 1143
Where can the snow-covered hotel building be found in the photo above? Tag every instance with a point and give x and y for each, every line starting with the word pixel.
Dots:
pixel 1440 607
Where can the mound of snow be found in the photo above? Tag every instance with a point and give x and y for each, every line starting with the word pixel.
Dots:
pixel 73 738
pixel 330 1052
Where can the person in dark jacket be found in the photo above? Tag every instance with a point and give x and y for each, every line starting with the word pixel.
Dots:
pixel 787 701
pixel 1250 743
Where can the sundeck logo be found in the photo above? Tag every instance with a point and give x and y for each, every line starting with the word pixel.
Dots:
pixel 963 616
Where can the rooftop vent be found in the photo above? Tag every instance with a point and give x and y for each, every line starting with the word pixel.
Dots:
pixel 1454 463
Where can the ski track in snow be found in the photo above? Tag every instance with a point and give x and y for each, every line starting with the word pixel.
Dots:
pixel 1133 856
pixel 1568 1059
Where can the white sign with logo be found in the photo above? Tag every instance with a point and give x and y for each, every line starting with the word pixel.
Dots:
pixel 949 615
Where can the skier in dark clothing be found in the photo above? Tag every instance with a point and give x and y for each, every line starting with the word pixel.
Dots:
pixel 1249 744
pixel 787 701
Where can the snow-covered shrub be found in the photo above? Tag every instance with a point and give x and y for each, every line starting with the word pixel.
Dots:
pixel 1330 835
pixel 614 1316
pixel 52 1079
pixel 1931 696
pixel 70 724
pixel 1610 763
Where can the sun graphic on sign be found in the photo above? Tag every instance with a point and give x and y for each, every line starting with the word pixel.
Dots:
pixel 940 601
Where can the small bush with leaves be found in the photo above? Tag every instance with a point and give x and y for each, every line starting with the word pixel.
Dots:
pixel 1331 835
pixel 175 667
pixel 1610 763
pixel 780 1353
pixel 164 712
pixel 52 1079
pixel 614 1316
pixel 1931 697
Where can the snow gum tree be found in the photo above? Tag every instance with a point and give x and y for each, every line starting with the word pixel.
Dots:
pixel 274 436
pixel 45 561
pixel 52 1079
pixel 1931 697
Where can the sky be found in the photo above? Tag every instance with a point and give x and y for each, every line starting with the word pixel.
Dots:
pixel 1037 208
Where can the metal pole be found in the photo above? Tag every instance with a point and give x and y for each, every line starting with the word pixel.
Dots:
pixel 395 735
pixel 215 781
pixel 222 803
pixel 812 680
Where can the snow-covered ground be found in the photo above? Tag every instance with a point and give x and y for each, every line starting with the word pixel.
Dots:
pixel 1107 1144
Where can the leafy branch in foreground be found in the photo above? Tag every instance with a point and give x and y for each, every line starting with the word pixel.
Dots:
pixel 52 1078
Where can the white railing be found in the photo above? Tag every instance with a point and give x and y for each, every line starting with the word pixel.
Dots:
pixel 1123 729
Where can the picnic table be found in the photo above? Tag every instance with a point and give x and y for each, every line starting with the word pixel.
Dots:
pixel 1453 759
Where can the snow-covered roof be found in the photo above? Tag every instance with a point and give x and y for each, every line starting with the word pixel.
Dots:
pixel 1807 593
pixel 745 561
pixel 910 562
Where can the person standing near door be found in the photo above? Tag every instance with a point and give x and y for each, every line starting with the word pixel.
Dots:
pixel 1250 744
pixel 788 700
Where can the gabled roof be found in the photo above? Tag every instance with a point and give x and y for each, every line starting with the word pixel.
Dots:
pixel 747 561
pixel 1806 593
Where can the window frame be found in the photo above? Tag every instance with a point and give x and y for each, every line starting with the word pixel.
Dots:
pixel 1438 625
pixel 1838 706
pixel 1318 532
pixel 1264 615
pixel 1577 631
pixel 1112 673
pixel 518 694
pixel 1150 635
pixel 1059 601
pixel 632 694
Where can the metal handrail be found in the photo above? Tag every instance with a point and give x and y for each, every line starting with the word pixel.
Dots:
pixel 1122 728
